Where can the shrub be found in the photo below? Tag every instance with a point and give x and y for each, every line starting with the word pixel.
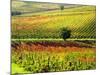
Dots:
pixel 65 33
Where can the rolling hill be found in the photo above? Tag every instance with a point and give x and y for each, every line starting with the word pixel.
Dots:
pixel 45 20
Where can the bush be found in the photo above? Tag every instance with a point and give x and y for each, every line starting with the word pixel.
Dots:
pixel 65 33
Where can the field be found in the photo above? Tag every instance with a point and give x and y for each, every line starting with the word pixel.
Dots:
pixel 48 56
pixel 80 19
pixel 37 42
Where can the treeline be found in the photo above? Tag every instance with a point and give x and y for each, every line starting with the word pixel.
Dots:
pixel 16 13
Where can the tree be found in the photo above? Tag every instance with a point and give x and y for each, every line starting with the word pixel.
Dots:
pixel 65 33
pixel 62 7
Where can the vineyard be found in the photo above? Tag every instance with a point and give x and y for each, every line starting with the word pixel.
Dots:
pixel 49 38
pixel 37 57
pixel 48 24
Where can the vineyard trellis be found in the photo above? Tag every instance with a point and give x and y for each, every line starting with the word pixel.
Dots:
pixel 81 24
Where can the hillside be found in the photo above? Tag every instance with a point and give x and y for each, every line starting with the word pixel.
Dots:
pixel 80 19
pixel 31 7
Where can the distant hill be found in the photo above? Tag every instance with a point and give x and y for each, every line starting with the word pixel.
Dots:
pixel 31 7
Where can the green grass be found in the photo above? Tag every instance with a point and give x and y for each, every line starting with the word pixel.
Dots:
pixel 49 39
